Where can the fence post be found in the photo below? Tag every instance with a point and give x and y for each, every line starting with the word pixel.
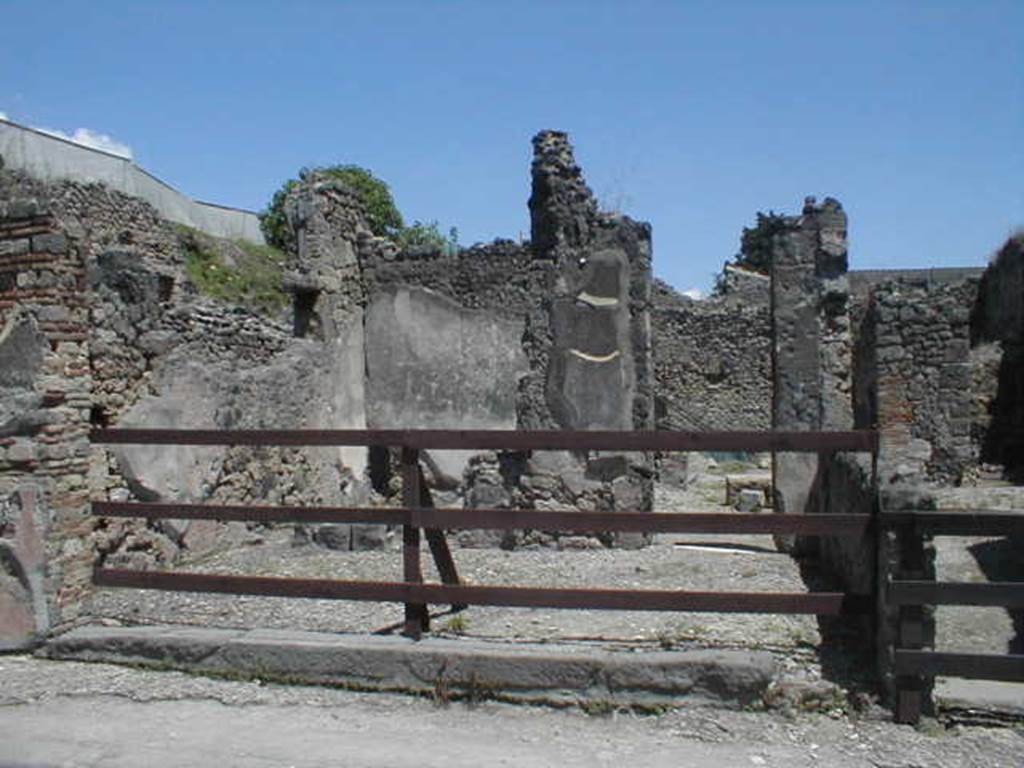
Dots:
pixel 417 618
pixel 915 624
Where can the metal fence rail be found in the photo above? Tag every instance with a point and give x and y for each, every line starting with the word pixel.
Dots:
pixel 504 440
pixel 418 513
pixel 912 662
pixel 417 516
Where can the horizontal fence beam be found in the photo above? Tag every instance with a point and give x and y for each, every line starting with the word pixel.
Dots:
pixel 509 440
pixel 974 666
pixel 820 603
pixel 959 522
pixel 1003 594
pixel 507 519
pixel 257 514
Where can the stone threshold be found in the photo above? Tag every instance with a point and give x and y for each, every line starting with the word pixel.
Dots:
pixel 444 668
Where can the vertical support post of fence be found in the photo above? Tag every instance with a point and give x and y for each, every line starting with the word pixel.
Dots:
pixel 909 631
pixel 905 552
pixel 416 617
pixel 912 691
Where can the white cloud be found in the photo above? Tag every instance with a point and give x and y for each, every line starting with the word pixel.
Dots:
pixel 3 115
pixel 90 138
pixel 694 293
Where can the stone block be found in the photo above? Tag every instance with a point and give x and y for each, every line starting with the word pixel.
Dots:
pixel 23 208
pixel 14 247
pixel 54 313
pixel 735 484
pixel 607 468
pixel 53 451
pixel 50 243
pixel 486 539
pixel 749 500
pixel 21 452
pixel 369 537
pixel 158 342
pixel 487 495
pixel 334 536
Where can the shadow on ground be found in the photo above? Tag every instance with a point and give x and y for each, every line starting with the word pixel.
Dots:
pixel 1002 560
pixel 847 649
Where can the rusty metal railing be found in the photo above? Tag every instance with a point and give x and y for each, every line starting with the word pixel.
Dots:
pixel 418 514
pixel 913 664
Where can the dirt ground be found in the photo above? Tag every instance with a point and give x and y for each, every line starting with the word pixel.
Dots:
pixel 74 714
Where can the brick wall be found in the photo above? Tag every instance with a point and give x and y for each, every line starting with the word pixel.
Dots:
pixel 44 448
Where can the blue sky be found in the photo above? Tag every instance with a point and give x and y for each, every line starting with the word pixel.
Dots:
pixel 691 115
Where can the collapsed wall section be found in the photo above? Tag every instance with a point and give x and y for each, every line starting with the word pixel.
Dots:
pixel 102 324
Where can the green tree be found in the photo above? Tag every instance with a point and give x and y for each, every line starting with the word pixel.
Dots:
pixel 273 222
pixel 756 242
pixel 382 214
pixel 428 237
pixel 756 245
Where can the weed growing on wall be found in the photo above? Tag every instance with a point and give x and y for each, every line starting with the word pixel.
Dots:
pixel 235 272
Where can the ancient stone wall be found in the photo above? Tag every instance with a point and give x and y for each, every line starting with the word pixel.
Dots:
pixel 590 340
pixel 812 349
pixel 914 378
pixel 494 276
pixel 997 354
pixel 101 325
pixel 551 335
pixel 712 359
pixel 45 382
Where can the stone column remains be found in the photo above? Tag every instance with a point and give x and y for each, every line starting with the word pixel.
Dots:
pixel 590 342
pixel 812 348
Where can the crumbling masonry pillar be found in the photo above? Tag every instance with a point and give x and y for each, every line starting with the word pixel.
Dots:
pixel 811 344
pixel 589 340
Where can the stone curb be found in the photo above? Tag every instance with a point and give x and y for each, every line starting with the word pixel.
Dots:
pixel 556 674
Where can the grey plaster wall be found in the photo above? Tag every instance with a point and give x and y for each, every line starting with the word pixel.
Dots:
pixel 591 335
pixel 592 374
pixel 433 364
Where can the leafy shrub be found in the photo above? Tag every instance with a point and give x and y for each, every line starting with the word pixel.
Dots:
pixel 756 246
pixel 382 215
pixel 428 237
pixel 756 242
pixel 273 221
